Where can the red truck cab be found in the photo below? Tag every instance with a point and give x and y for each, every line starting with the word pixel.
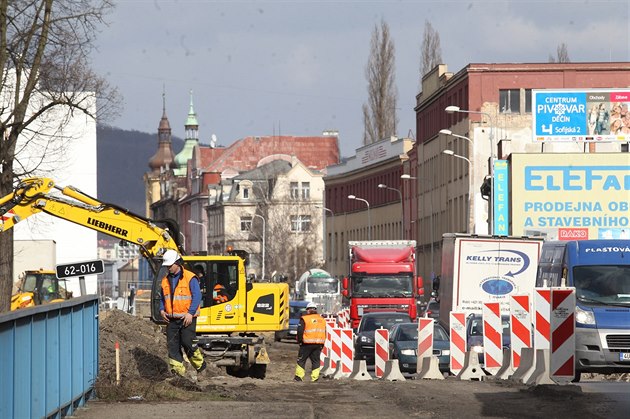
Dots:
pixel 382 278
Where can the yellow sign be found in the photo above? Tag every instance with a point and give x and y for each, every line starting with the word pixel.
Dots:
pixel 571 196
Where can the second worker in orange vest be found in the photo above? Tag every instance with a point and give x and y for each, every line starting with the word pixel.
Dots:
pixel 311 335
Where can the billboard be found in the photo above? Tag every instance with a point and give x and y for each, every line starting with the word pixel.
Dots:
pixel 571 196
pixel 595 115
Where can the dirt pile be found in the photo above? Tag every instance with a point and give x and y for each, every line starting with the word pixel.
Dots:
pixel 144 371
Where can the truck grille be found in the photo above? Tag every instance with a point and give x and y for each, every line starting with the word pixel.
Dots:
pixel 618 341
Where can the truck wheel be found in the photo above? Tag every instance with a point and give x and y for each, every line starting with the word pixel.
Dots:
pixel 258 371
pixel 236 372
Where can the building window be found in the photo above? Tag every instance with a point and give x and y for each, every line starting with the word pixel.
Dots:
pixel 528 100
pixel 245 193
pixel 306 190
pixel 510 100
pixel 295 190
pixel 246 223
pixel 300 223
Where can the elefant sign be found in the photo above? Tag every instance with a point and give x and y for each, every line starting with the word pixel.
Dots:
pixel 597 115
pixel 571 196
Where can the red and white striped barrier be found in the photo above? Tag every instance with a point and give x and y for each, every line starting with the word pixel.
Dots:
pixel 492 337
pixel 542 308
pixel 562 358
pixel 381 351
pixel 347 354
pixel 335 348
pixel 520 326
pixel 343 319
pixel 458 341
pixel 326 349
pixel 425 339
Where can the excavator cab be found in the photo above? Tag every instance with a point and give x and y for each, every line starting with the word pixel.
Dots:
pixel 39 287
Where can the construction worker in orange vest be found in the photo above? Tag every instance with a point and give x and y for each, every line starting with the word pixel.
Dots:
pixel 219 294
pixel 311 335
pixel 179 307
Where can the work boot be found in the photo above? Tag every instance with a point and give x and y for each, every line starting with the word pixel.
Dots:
pixel 296 378
pixel 202 367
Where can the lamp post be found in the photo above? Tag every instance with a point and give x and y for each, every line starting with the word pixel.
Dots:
pixel 183 241
pixel 332 234
pixel 452 153
pixel 471 175
pixel 263 244
pixel 402 219
pixel 204 231
pixel 454 109
pixel 368 211
pixel 408 177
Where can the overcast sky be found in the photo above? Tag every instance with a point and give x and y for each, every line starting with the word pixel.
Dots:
pixel 297 67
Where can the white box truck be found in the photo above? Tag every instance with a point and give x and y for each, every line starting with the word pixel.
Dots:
pixel 478 269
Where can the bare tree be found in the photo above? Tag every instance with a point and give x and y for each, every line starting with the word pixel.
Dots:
pixel 379 114
pixel 431 49
pixel 46 79
pixel 562 54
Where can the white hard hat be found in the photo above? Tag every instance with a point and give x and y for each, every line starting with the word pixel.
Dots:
pixel 311 305
pixel 170 257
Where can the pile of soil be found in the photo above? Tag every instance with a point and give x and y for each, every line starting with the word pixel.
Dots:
pixel 144 373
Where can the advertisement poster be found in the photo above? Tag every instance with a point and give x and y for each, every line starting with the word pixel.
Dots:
pixel 571 196
pixel 598 115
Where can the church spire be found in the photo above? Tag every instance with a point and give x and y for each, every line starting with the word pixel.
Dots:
pixel 163 157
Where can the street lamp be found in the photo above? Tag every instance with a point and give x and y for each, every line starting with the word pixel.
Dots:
pixel 368 211
pixel 263 244
pixel 183 240
pixel 332 240
pixel 408 177
pixel 402 219
pixel 452 153
pixel 454 109
pixel 204 231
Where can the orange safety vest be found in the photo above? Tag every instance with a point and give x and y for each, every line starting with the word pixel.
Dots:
pixel 220 296
pixel 314 329
pixel 179 304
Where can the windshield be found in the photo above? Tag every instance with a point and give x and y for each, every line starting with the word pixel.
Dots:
pixel 409 332
pixel 382 286
pixel 372 323
pixel 323 285
pixel 602 284
pixel 296 312
pixel 475 327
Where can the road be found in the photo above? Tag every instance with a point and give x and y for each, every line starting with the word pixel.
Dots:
pixel 279 396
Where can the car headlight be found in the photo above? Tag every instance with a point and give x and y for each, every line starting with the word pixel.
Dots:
pixel 408 352
pixel 477 348
pixel 583 316
pixel 365 339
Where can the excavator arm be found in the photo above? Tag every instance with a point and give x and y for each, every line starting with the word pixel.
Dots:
pixel 35 195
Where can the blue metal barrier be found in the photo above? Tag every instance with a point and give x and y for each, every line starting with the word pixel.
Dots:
pixel 49 358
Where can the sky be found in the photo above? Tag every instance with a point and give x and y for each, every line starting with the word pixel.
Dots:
pixel 298 67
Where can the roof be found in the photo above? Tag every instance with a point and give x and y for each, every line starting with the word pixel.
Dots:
pixel 316 153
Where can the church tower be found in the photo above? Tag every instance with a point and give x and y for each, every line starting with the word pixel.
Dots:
pixel 161 163
pixel 192 139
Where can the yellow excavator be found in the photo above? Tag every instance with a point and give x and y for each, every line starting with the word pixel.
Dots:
pixel 229 332
pixel 38 287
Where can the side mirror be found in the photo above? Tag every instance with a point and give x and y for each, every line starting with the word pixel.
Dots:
pixel 345 284
pixel 420 285
pixel 344 292
pixel 436 283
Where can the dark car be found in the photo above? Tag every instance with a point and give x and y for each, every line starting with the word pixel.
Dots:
pixel 474 334
pixel 403 346
pixel 364 341
pixel 296 309
pixel 432 310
